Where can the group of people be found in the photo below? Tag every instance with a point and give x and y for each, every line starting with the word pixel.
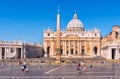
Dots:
pixel 81 68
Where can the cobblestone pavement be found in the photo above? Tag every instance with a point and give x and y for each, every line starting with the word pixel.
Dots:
pixel 60 72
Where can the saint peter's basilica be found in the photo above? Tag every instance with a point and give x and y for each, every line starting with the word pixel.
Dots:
pixel 75 41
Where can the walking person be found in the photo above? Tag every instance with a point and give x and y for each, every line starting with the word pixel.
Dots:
pixel 12 66
pixel 24 67
pixel 85 68
pixel 80 69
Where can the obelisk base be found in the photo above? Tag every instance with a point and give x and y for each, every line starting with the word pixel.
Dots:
pixel 58 59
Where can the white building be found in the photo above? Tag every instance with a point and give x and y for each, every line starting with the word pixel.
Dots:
pixel 111 51
pixel 110 45
pixel 19 50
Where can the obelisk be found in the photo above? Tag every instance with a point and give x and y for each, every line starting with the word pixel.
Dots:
pixel 58 38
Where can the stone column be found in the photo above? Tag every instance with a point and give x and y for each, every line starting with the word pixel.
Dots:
pixel 69 48
pixel 9 51
pixel 93 45
pixel 91 48
pixel 99 53
pixel 65 47
pixel 52 53
pixel 85 48
pixel 74 48
pixel 22 52
pixel 45 49
pixel 80 48
pixel 15 52
pixel 109 51
pixel 117 53
pixel 5 53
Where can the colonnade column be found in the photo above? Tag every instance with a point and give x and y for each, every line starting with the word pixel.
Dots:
pixel 45 49
pixel 5 56
pixel 85 48
pixel 91 48
pixel 78 47
pixel 63 48
pixel 117 53
pixel 22 53
pixel 99 53
pixel 15 52
pixel 52 53
pixel 74 48
pixel 93 45
pixel 69 48
pixel 9 51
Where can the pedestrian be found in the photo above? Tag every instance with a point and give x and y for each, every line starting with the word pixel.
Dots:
pixel 85 68
pixel 12 66
pixel 91 66
pixel 78 67
pixel 39 67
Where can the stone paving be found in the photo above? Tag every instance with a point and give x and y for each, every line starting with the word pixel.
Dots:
pixel 60 72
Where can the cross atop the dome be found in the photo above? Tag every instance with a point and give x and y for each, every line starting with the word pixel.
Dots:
pixel 75 15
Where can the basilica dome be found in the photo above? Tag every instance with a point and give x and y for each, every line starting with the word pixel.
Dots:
pixel 75 22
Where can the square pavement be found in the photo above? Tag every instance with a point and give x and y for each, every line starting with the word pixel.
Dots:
pixel 60 72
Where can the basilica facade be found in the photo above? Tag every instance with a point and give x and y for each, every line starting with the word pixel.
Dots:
pixel 75 41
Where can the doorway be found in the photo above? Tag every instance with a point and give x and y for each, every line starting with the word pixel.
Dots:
pixel 18 53
pixel 95 50
pixel 3 53
pixel 48 51
pixel 72 51
pixel 61 51
pixel 113 54
pixel 82 52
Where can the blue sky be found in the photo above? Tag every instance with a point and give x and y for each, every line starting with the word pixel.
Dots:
pixel 27 19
